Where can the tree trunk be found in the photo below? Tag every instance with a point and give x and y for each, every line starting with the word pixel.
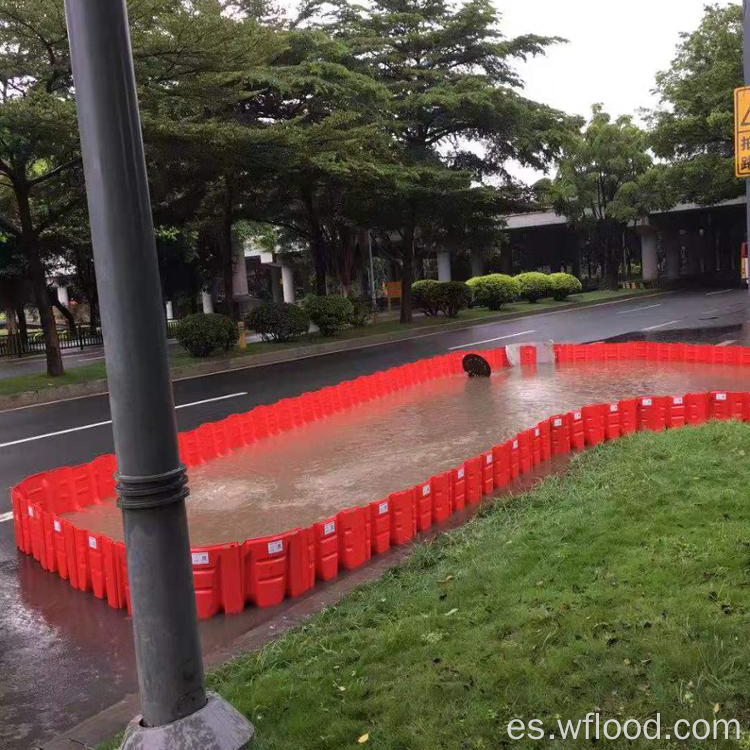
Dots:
pixel 227 252
pixel 71 321
pixel 23 328
pixel 407 277
pixel 317 243
pixel 611 268
pixel 10 321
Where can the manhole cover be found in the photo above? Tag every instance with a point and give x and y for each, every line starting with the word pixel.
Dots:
pixel 476 366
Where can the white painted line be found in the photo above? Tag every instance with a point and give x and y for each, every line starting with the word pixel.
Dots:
pixel 721 291
pixel 662 325
pixel 709 312
pixel 489 341
pixel 728 342
pixel 90 359
pixel 638 309
pixel 5 517
pixel 109 421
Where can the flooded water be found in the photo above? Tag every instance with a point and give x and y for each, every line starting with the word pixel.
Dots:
pixel 362 455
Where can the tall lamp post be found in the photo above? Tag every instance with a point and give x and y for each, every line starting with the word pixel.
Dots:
pixel 152 484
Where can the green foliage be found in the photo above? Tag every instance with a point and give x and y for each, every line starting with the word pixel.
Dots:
pixel 278 321
pixel 446 297
pixel 361 311
pixel 494 290
pixel 563 285
pixel 203 333
pixel 426 294
pixel 534 285
pixel 330 314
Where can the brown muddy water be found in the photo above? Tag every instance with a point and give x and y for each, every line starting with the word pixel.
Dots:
pixel 387 445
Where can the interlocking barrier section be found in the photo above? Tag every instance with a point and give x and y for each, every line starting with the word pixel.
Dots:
pixel 266 570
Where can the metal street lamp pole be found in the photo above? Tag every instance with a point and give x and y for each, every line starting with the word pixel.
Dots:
pixel 152 484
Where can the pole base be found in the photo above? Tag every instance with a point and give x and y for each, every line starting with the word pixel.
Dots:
pixel 216 726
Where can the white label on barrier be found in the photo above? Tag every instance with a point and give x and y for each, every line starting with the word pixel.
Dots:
pixel 614 408
pixel 92 542
pixel 275 547
pixel 489 459
pixel 460 473
pixel 537 432
pixel 329 528
pixel 677 401
pixel 425 490
pixel 382 509
pixel 577 415
pixel 58 527
pixel 721 396
pixel 200 558
pixel 646 402
pixel 515 445
pixel 557 423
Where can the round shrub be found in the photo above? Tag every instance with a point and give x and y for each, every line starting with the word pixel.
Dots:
pixel 453 297
pixel 330 313
pixel 203 333
pixel 563 285
pixel 534 285
pixel 494 290
pixel 426 296
pixel 278 321
pixel 361 311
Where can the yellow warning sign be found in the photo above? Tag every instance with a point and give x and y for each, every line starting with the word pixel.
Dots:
pixel 742 131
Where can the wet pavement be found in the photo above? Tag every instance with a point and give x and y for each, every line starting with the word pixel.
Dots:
pixel 65 655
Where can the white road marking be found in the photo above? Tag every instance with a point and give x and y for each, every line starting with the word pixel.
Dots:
pixel 489 341
pixel 90 359
pixel 662 325
pixel 721 291
pixel 109 421
pixel 728 342
pixel 638 309
pixel 709 312
pixel 5 517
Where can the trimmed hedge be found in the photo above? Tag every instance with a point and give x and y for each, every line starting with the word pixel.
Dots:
pixel 446 297
pixel 330 314
pixel 563 285
pixel 494 290
pixel 203 333
pixel 534 285
pixel 278 321
pixel 426 296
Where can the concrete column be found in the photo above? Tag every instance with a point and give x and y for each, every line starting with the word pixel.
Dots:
pixel 207 301
pixel 276 291
pixel 477 264
pixel 168 309
pixel 239 279
pixel 287 283
pixel 649 258
pixel 62 295
pixel 673 244
pixel 444 265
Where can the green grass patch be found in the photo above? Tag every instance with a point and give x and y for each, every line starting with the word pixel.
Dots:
pixel 23 383
pixel 621 586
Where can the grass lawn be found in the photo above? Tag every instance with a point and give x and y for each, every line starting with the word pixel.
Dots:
pixel 622 586
pixel 179 358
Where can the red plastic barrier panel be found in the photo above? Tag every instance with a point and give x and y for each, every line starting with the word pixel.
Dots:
pixel 488 473
pixel 652 413
pixel 301 573
pixel 112 584
pixel 71 553
pixel 103 469
pixel 380 526
pixel 58 543
pixel 423 506
pixel 403 519
pixel 441 496
pixel 515 458
pixel 525 450
pixel 528 355
pixel 233 430
pixel 18 526
pixel 190 452
pixel 458 488
pixel 697 407
pixel 473 480
pixel 728 405
pixel 560 428
pixel 326 549
pixel 82 559
pixel 267 568
pixel 501 464
pixel 676 411
pixel 545 432
pixel 536 446
pixel 96 564
pixel 594 423
pixel 577 430
pixel 50 555
pixel 218 579
pixel 628 416
pixel 612 421
pixel 354 537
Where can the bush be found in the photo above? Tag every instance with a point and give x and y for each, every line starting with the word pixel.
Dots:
pixel 361 311
pixel 494 290
pixel 330 313
pixel 534 285
pixel 564 284
pixel 203 333
pixel 454 296
pixel 426 296
pixel 278 321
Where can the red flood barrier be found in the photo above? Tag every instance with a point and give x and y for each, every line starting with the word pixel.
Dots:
pixel 265 571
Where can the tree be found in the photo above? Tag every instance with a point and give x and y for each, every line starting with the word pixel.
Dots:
pixel 693 127
pixel 594 183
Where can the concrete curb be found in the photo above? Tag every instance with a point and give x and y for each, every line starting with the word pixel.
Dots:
pixel 99 387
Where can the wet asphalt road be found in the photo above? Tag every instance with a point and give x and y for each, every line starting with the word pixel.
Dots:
pixel 65 656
